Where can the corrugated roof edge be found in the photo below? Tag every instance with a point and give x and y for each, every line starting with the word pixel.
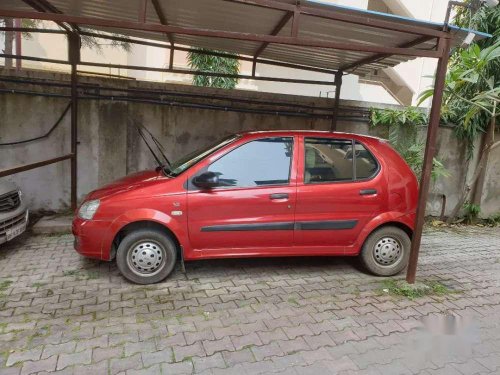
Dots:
pixel 401 18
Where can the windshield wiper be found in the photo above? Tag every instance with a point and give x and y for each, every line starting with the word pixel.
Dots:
pixel 159 146
pixel 161 166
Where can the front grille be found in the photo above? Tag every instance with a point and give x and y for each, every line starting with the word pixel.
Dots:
pixel 10 223
pixel 9 201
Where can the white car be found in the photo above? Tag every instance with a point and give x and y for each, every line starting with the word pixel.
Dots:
pixel 13 212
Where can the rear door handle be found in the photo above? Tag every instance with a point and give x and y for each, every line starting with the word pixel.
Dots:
pixel 368 192
pixel 278 196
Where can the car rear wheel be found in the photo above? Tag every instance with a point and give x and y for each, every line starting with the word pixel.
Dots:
pixel 146 256
pixel 386 251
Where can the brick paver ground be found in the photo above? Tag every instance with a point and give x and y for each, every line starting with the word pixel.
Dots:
pixel 65 314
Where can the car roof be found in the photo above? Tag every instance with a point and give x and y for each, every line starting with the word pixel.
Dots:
pixel 309 133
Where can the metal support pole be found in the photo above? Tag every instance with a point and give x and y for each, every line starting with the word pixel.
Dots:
pixel 74 58
pixel 430 150
pixel 338 87
pixel 17 23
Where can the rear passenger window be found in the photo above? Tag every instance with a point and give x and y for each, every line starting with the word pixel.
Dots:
pixel 366 165
pixel 333 160
pixel 326 160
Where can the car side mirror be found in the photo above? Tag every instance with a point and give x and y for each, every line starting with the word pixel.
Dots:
pixel 207 180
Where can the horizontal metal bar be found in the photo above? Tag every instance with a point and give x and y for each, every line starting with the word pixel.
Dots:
pixel 208 74
pixel 32 58
pixel 27 167
pixel 175 71
pixel 294 41
pixel 33 30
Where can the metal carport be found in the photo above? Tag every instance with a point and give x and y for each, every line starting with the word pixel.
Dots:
pixel 310 35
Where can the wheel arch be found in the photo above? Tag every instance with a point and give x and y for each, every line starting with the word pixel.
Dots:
pixel 404 222
pixel 140 218
pixel 141 224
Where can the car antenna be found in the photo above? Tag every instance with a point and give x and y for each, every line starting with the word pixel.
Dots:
pixel 158 145
pixel 150 149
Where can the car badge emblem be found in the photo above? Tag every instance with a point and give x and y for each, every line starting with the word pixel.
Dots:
pixel 176 213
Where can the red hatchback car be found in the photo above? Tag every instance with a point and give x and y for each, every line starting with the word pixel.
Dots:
pixel 257 194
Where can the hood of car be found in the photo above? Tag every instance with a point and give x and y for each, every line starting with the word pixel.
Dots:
pixel 7 187
pixel 125 184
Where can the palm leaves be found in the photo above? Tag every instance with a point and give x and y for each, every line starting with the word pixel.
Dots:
pixel 213 64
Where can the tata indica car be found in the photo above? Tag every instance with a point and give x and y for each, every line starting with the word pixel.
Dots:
pixel 257 194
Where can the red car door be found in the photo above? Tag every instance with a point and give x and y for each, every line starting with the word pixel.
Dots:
pixel 252 208
pixel 338 192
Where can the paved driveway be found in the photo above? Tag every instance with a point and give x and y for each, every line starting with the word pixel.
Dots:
pixel 60 312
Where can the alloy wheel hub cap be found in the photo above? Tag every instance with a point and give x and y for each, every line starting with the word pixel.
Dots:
pixel 387 251
pixel 147 257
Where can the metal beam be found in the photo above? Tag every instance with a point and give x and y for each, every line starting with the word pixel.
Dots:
pixel 27 167
pixel 338 87
pixel 208 74
pixel 430 150
pixel 345 17
pixel 143 11
pixel 281 24
pixel 304 42
pixel 375 58
pixel 35 5
pixel 74 44
pixel 163 19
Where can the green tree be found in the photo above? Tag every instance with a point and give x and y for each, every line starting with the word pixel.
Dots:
pixel 471 96
pixel 213 64
pixel 402 128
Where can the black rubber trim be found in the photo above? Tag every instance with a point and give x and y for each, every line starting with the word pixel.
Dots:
pixel 326 225
pixel 306 225
pixel 248 227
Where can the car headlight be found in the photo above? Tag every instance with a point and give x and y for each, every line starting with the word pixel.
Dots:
pixel 88 209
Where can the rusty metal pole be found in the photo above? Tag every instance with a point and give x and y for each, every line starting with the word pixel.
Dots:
pixel 74 58
pixel 430 150
pixel 338 87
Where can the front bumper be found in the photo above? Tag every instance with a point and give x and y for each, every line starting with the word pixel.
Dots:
pixel 89 235
pixel 13 224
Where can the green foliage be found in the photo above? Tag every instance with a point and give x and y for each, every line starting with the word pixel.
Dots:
pixel 4 284
pixel 473 79
pixel 493 220
pixel 471 212
pixel 412 291
pixel 213 64
pixel 403 128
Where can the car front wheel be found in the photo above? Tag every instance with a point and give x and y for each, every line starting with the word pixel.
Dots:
pixel 146 256
pixel 386 251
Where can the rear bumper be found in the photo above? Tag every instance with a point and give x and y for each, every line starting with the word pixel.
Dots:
pixel 89 235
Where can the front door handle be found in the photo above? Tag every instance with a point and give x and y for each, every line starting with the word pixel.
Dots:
pixel 368 192
pixel 278 196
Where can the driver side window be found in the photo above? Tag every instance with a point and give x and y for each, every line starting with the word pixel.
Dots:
pixel 262 162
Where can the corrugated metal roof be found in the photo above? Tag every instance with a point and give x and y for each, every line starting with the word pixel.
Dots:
pixel 245 18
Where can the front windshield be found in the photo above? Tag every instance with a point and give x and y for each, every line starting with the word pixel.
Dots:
pixel 194 157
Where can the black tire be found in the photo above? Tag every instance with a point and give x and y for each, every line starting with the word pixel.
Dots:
pixel 146 256
pixel 386 251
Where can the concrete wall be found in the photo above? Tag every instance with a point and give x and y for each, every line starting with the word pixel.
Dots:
pixel 109 146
